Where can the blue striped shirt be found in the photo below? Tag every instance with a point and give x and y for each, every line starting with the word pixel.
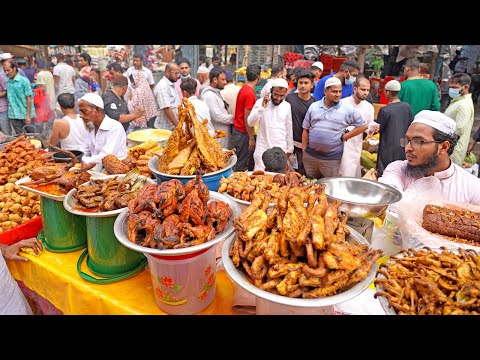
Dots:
pixel 326 127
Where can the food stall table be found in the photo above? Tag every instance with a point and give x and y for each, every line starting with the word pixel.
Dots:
pixel 54 277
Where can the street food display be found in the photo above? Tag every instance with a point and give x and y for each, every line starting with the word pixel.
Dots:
pixel 109 194
pixel 246 186
pixel 140 154
pixel 173 215
pixel 191 147
pixel 430 282
pixel 18 157
pixel 17 206
pixel 299 251
pixel 459 225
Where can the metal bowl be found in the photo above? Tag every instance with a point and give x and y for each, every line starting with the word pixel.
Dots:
pixel 212 180
pixel 121 231
pixel 361 198
pixel 238 277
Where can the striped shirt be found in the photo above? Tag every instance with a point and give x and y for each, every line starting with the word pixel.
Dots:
pixel 326 126
pixel 167 97
pixel 110 138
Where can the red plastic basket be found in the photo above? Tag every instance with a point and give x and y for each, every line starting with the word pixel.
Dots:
pixel 26 230
pixel 291 56
pixel 303 63
pixel 327 61
pixel 337 62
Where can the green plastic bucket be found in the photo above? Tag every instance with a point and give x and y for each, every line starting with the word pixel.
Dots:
pixel 106 256
pixel 63 231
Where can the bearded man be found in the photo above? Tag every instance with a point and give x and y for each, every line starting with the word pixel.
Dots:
pixel 429 142
pixel 105 135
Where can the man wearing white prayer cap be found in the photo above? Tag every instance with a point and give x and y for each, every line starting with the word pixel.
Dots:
pixel 106 135
pixel 274 118
pixel 326 128
pixel 429 142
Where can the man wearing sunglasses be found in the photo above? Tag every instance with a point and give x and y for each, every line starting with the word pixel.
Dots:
pixel 429 142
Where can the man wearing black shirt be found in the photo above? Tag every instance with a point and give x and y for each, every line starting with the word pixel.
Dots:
pixel 115 105
pixel 300 102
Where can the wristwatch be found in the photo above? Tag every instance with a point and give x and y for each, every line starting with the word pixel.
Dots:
pixel 346 131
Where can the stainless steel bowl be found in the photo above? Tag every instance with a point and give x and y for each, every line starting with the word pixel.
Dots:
pixel 361 198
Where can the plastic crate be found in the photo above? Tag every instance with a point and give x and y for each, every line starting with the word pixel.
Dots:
pixel 23 231
pixel 291 56
pixel 327 61
pixel 337 62
pixel 303 63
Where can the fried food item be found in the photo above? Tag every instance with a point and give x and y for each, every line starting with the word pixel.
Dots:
pixel 451 222
pixel 428 282
pixel 114 165
pixel 286 251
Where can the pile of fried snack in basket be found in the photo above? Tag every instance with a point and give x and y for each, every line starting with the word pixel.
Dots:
pixel 429 282
pixel 299 251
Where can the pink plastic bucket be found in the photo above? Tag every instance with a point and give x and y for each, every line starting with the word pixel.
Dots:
pixel 183 284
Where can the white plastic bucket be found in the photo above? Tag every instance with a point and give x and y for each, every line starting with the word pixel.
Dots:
pixel 184 284
pixel 267 307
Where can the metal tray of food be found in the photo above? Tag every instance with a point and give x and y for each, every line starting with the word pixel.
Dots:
pixel 27 179
pixel 357 289
pixel 121 230
pixel 389 309
pixel 71 204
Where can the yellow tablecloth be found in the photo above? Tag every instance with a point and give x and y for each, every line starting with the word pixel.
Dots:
pixel 54 276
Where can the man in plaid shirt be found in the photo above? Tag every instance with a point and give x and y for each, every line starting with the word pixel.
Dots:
pixel 167 98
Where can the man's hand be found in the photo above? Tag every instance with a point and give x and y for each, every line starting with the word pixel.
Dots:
pixel 251 144
pixel 139 113
pixel 11 252
pixel 266 98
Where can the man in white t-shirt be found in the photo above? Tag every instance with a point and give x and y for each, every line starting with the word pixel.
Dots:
pixel 138 64
pixel 63 76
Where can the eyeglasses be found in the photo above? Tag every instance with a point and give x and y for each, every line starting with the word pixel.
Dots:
pixel 415 143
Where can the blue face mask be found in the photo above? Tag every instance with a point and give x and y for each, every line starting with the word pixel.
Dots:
pixel 350 80
pixel 454 93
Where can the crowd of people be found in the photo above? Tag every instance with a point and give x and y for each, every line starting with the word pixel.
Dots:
pixel 301 121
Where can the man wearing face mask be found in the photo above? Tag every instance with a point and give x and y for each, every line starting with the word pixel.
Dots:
pixel 462 112
pixel 274 118
pixel 428 142
pixel 347 75
pixel 167 98
pixel 184 65
pixel 105 135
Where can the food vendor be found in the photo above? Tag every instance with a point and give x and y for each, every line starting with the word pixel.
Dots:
pixel 105 135
pixel 429 142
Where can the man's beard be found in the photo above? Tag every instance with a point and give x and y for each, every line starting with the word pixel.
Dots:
pixel 90 126
pixel 420 170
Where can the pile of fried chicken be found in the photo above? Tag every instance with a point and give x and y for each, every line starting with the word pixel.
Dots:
pixel 246 187
pixel 65 176
pixel 190 146
pixel 299 251
pixel 430 282
pixel 110 194
pixel 173 215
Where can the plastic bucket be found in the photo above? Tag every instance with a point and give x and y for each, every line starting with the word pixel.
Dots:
pixel 388 237
pixel 267 307
pixel 184 284
pixel 106 256
pixel 64 232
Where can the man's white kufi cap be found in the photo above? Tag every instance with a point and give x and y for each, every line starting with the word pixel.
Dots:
pixel 202 70
pixel 332 81
pixel 279 82
pixel 93 99
pixel 437 120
